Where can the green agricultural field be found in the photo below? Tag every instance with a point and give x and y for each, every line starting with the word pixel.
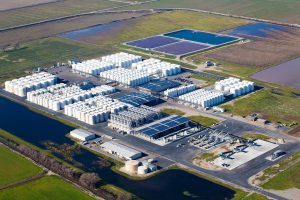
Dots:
pixel 284 11
pixel 14 167
pixel 49 187
pixel 205 121
pixel 41 53
pixel 276 105
pixel 170 21
pixel 53 10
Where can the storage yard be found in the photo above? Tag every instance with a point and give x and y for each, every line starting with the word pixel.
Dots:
pixel 125 111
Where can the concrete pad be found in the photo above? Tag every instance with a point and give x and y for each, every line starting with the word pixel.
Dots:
pixel 250 153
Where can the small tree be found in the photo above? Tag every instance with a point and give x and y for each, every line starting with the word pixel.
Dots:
pixel 90 180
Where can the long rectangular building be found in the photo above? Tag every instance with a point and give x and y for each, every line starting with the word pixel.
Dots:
pixel 120 150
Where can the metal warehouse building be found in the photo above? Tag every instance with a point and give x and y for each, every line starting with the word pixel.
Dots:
pixel 82 135
pixel 120 150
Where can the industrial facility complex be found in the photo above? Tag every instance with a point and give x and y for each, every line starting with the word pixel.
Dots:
pixel 123 95
pixel 150 99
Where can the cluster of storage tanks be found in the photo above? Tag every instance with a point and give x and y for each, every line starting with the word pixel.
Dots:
pixel 103 90
pixel 94 110
pixel 155 66
pixel 93 67
pixel 126 76
pixel 205 98
pixel 122 59
pixel 56 97
pixel 175 92
pixel 135 167
pixel 30 83
pixel 235 86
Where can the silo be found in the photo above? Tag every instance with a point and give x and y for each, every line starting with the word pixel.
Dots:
pixel 132 166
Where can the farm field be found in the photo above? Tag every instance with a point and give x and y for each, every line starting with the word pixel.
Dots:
pixel 287 74
pixel 276 105
pixel 49 187
pixel 15 167
pixel 283 11
pixel 41 53
pixel 259 52
pixel 160 23
pixel 57 27
pixel 53 10
pixel 12 4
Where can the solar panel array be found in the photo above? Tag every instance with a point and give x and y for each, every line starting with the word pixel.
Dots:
pixel 161 126
pixel 183 42
pixel 137 98
pixel 160 85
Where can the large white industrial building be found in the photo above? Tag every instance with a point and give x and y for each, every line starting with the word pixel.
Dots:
pixel 121 151
pixel 122 59
pixel 126 76
pixel 94 67
pixel 204 98
pixel 56 97
pixel 235 86
pixel 156 66
pixel 174 92
pixel 23 85
pixel 82 135
pixel 94 110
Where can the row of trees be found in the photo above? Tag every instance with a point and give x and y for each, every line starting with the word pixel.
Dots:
pixel 90 181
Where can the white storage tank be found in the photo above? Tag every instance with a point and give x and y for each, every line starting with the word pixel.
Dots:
pixel 142 170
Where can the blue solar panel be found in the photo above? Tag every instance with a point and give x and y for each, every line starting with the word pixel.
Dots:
pixel 150 132
pixel 171 124
pixel 161 127
pixel 137 99
pixel 160 85
pixel 180 119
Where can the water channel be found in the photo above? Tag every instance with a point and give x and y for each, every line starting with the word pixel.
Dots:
pixel 173 184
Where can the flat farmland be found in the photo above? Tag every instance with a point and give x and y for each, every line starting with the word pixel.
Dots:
pixel 41 53
pixel 278 10
pixel 52 10
pixel 15 167
pixel 49 187
pixel 57 27
pixel 260 52
pixel 286 74
pixel 159 23
pixel 12 4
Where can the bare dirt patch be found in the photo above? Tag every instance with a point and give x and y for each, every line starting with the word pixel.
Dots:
pixel 261 52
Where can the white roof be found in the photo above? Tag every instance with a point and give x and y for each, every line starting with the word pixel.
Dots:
pixel 81 132
pixel 120 149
